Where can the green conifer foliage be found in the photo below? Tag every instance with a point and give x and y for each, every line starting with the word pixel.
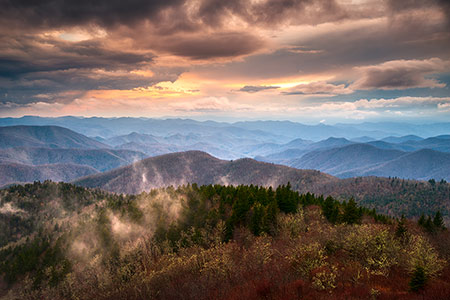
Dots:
pixel 330 210
pixel 401 232
pixel 421 221
pixel 428 225
pixel 352 214
pixel 418 280
pixel 438 221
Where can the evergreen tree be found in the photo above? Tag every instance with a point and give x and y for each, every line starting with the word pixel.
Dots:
pixel 270 218
pixel 330 210
pixel 256 225
pixel 241 206
pixel 438 221
pixel 418 279
pixel 229 229
pixel 286 200
pixel 262 196
pixel 401 232
pixel 421 221
pixel 351 214
pixel 428 225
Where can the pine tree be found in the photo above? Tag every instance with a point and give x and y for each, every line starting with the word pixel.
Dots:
pixel 286 200
pixel 401 232
pixel 352 214
pixel 262 196
pixel 270 218
pixel 421 221
pixel 256 225
pixel 330 210
pixel 418 279
pixel 428 225
pixel 438 221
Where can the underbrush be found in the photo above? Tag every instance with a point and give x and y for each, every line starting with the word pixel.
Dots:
pixel 246 242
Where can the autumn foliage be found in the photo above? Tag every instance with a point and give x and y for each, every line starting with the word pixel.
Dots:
pixel 225 242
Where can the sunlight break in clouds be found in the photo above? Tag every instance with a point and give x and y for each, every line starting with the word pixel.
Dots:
pixel 251 59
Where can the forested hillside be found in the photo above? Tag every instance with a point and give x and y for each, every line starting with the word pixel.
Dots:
pixel 32 153
pixel 13 173
pixel 45 136
pixel 212 242
pixel 391 196
pixel 199 167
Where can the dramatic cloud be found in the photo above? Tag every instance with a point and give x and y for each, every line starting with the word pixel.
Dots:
pixel 51 13
pixel 257 88
pixel 228 44
pixel 315 88
pixel 397 6
pixel 401 74
pixel 174 57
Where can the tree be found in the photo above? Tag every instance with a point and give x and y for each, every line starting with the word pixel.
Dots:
pixel 438 221
pixel 418 280
pixel 256 224
pixel 428 225
pixel 401 232
pixel 286 200
pixel 351 214
pixel 421 221
pixel 330 210
pixel 270 218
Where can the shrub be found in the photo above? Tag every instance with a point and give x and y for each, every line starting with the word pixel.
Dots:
pixel 292 224
pixel 375 248
pixel 325 278
pixel 422 255
pixel 307 257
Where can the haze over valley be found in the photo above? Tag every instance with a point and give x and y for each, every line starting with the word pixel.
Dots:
pixel 42 151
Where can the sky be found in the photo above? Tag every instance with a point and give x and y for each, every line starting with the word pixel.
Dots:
pixel 301 60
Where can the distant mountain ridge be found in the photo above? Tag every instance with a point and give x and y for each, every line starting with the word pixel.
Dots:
pixel 402 139
pixel 109 127
pixel 423 164
pixel 30 153
pixel 45 136
pixel 19 173
pixel 201 168
pixel 342 159
pixel 368 160
pixel 99 159
pixel 337 156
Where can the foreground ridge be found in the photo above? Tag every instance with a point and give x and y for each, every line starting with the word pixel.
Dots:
pixel 212 241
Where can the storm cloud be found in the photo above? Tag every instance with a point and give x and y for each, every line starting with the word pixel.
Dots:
pixel 59 51
pixel 59 13
pixel 401 74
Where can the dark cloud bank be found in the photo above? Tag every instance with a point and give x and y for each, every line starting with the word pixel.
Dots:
pixel 32 64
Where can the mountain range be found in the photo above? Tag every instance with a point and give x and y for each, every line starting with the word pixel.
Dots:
pixel 45 136
pixel 201 168
pixel 24 150
pixel 365 160
pixel 20 173
pixel 30 153
pixel 110 127
pixel 388 195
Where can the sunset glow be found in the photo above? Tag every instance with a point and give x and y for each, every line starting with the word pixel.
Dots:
pixel 297 60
